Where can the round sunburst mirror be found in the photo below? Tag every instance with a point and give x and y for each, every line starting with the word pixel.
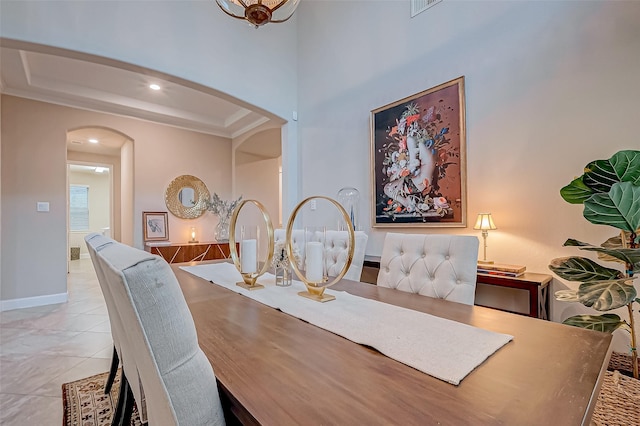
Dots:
pixel 186 197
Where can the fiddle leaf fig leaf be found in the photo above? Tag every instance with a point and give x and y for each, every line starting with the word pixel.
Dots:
pixel 567 296
pixel 582 269
pixel 623 166
pixel 607 295
pixel 626 256
pixel 607 323
pixel 576 192
pixel 620 207
pixel 575 243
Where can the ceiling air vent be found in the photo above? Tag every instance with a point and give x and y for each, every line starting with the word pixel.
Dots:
pixel 418 6
pixel 76 142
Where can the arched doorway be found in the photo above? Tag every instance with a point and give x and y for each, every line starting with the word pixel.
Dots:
pixel 100 186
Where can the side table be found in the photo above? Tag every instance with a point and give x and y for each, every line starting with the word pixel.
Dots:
pixel 536 284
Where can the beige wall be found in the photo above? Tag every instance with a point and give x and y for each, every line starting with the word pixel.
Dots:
pixel 34 169
pixel 258 180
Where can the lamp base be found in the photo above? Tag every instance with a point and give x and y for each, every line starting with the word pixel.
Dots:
pixel 317 297
pixel 249 286
pixel 485 262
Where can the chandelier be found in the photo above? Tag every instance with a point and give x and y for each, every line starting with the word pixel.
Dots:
pixel 259 12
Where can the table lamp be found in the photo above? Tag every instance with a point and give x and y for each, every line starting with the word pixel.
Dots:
pixel 485 222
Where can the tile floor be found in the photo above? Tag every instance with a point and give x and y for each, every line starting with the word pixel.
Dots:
pixel 43 347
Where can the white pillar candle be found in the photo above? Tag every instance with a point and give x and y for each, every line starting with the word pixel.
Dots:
pixel 314 262
pixel 248 255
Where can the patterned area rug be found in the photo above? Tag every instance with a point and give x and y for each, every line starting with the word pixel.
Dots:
pixel 85 403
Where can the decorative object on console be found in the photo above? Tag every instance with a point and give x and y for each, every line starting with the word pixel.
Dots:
pixel 315 286
pixel 350 199
pixel 248 261
pixel 610 192
pixel 259 12
pixel 223 209
pixel 281 263
pixel 418 159
pixel 501 269
pixel 155 226
pixel 186 197
pixel 485 222
pixel 193 235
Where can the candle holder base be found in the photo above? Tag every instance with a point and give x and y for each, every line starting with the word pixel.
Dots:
pixel 315 292
pixel 317 297
pixel 249 286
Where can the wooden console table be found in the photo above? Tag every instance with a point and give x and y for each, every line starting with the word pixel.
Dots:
pixel 189 252
pixel 536 284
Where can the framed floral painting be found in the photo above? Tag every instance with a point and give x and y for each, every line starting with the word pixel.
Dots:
pixel 418 157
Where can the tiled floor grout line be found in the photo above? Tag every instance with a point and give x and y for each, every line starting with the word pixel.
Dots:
pixel 35 360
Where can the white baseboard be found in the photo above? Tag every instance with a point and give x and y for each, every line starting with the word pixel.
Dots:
pixel 30 302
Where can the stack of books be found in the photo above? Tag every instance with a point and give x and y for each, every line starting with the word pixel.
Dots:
pixel 501 269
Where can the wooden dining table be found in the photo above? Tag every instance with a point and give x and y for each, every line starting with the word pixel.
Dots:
pixel 274 369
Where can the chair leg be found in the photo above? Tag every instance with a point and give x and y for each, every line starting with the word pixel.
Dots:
pixel 122 397
pixel 115 361
pixel 125 420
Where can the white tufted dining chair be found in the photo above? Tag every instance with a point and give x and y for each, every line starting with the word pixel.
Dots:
pixel 440 266
pixel 335 249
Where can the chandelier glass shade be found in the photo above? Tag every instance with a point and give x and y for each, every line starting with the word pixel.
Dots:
pixel 259 12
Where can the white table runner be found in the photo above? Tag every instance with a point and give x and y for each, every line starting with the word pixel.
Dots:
pixel 442 348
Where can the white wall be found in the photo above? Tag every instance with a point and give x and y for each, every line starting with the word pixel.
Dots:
pixel 550 86
pixel 34 245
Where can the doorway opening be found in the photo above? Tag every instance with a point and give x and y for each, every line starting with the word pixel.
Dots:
pixel 99 187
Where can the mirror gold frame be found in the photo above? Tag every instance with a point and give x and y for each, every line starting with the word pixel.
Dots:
pixel 175 205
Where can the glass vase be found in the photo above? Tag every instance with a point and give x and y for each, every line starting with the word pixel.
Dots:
pixel 222 229
pixel 284 276
pixel 349 198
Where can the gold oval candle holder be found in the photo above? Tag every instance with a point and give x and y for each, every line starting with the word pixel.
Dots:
pixel 315 290
pixel 249 280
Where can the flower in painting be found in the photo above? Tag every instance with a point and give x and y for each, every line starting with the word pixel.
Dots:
pixel 440 203
pixel 414 162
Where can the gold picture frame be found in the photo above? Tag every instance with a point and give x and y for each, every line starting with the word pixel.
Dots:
pixel 418 159
pixel 155 226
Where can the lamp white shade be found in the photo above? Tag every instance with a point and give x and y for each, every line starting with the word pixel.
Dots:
pixel 484 222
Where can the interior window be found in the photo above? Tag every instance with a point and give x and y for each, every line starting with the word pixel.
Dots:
pixel 79 207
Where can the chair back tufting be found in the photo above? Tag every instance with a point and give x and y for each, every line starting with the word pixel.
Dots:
pixel 440 266
pixel 335 250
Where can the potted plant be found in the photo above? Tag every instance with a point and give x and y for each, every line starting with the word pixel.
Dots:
pixel 610 192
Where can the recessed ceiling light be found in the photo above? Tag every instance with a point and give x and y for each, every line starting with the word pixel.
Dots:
pixel 100 169
pixel 93 140
pixel 154 86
